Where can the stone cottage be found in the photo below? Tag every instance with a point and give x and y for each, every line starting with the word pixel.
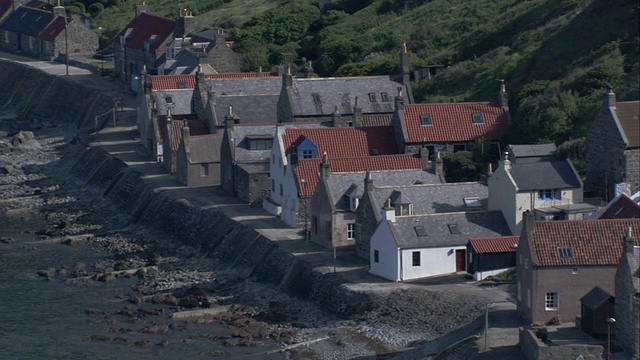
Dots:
pixel 627 304
pixel 45 31
pixel 613 147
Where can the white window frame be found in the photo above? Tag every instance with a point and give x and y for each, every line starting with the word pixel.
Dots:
pixel 552 301
pixel 351 231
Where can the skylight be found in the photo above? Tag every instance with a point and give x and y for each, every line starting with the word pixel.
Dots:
pixel 385 96
pixel 565 252
pixel 316 98
pixel 372 97
pixel 420 230
pixel 425 120
pixel 182 85
pixel 477 118
pixel 454 229
pixel 472 202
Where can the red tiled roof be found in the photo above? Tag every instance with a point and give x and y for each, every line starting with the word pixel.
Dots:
pixel 377 119
pixel 621 207
pixel 52 30
pixel 592 242
pixel 147 27
pixel 308 169
pixel 495 244
pixel 170 82
pixel 345 142
pixel 453 122
pixel 628 113
pixel 196 127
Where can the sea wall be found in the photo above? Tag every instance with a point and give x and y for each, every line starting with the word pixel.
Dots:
pixel 49 99
pixel 214 233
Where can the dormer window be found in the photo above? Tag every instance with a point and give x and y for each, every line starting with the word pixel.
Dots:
pixel 182 85
pixel 420 230
pixel 307 154
pixel 477 118
pixel 404 209
pixel 354 201
pixel 257 142
pixel 316 99
pixel 385 96
pixel 372 97
pixel 425 120
pixel 454 229
pixel 565 252
pixel 168 100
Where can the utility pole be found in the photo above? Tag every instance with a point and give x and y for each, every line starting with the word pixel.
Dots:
pixel 66 43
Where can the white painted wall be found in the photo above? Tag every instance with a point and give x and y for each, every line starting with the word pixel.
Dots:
pixel 383 241
pixel 282 174
pixel 434 261
pixel 502 195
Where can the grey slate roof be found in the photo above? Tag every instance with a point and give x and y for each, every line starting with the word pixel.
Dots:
pixel 435 198
pixel 181 101
pixel 595 297
pixel 470 224
pixel 204 149
pixel 343 92
pixel 250 109
pixel 246 86
pixel 522 154
pixel 545 175
pixel 353 183
pixel 25 20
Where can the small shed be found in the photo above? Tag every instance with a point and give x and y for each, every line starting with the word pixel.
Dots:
pixel 489 256
pixel 597 305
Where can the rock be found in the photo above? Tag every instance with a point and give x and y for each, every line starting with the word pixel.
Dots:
pixel 100 338
pixel 107 277
pixel 7 240
pixel 163 343
pixel 120 340
pixel 155 329
pixel 142 343
pixel 149 312
pixel 136 298
pixel 167 299
pixel 94 312
pixel 214 353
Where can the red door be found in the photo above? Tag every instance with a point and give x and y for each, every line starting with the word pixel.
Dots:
pixel 461 265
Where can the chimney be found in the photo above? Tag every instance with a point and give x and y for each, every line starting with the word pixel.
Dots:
pixel 368 181
pixel 489 169
pixel 308 70
pixel 59 10
pixel 609 98
pixel 388 211
pixel 336 118
pixel 505 161
pixel 404 65
pixel 260 74
pixel 399 100
pixel 503 100
pixel 325 168
pixel 287 78
pixel 439 165
pixel 144 8
pixel 628 242
pixel 229 118
pixel 185 25
pixel 169 133
pixel 357 114
pixel 529 222
pixel 424 158
pixel 185 136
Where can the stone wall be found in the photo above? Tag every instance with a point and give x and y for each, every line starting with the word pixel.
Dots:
pixel 535 349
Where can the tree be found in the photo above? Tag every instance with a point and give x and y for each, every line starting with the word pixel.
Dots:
pixel 460 167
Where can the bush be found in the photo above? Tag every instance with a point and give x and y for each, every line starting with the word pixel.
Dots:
pixel 96 9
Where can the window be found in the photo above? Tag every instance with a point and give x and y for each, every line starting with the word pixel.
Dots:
pixel 376 256
pixel 316 99
pixel 32 42
pixel 425 120
pixel 454 229
pixel 526 263
pixel 551 301
pixel 385 96
pixel 529 298
pixel 477 118
pixel 549 194
pixel 260 143
pixel 204 169
pixel 472 202
pixel 432 152
pixel 420 230
pixel 415 258
pixel 564 252
pixel 6 37
pixel 372 97
pixel 470 257
pixel 182 85
pixel 404 209
pixel 351 231
pixel 353 203
pixel 281 189
pixel 307 154
pixel 273 185
pixel 459 147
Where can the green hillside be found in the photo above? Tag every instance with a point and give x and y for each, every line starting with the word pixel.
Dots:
pixel 555 56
